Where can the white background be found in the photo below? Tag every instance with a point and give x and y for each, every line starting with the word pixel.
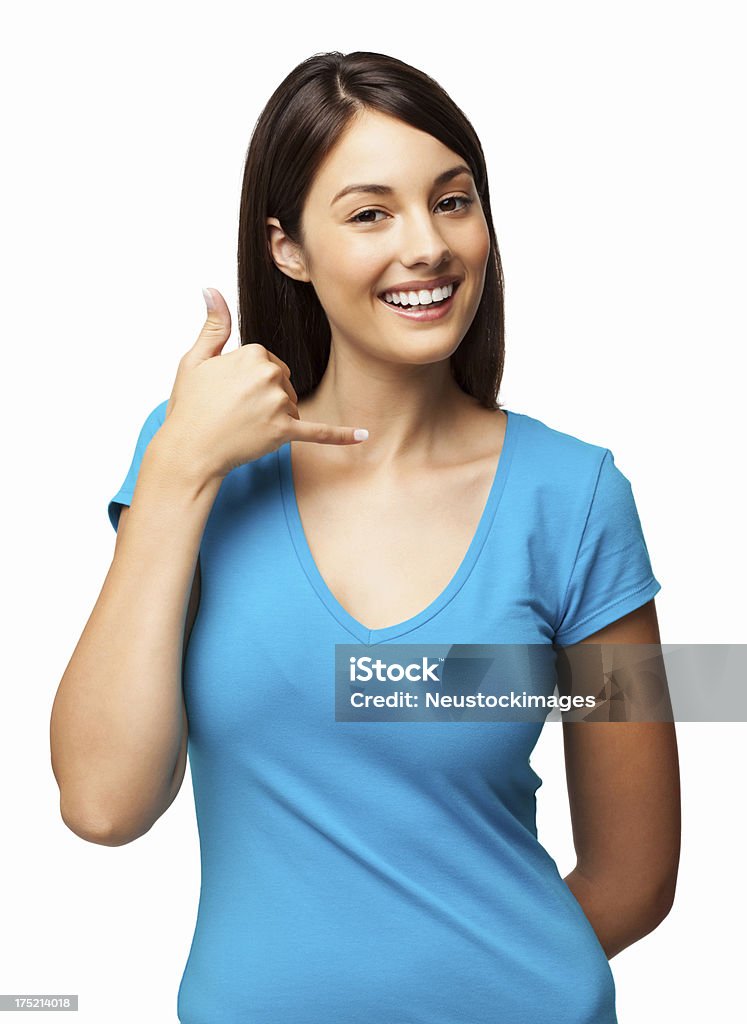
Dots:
pixel 615 148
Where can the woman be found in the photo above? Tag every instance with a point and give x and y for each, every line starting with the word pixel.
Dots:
pixel 362 871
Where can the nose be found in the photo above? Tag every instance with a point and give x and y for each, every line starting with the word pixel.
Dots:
pixel 422 242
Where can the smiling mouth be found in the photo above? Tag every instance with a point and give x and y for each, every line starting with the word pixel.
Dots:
pixel 422 306
pixel 432 312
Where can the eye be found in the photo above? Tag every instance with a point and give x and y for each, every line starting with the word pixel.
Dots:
pixel 354 220
pixel 467 200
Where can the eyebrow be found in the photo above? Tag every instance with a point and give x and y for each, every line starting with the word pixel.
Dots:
pixel 384 190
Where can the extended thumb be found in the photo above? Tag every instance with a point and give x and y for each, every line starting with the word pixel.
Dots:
pixel 217 327
pixel 218 313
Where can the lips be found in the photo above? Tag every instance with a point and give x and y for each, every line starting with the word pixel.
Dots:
pixel 426 313
pixel 426 305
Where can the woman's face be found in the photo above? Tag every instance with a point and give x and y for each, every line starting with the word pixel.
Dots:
pixel 420 225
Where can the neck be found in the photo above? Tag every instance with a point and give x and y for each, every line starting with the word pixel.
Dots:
pixel 409 411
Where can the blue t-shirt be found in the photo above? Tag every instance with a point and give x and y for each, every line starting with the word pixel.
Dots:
pixel 390 872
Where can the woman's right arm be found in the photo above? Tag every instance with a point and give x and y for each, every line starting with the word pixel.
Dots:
pixel 118 729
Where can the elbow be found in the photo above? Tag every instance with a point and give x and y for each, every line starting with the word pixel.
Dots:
pixel 623 907
pixel 646 908
pixel 662 888
pixel 99 829
pixel 663 897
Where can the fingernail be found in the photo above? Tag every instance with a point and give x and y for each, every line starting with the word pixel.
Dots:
pixel 209 300
pixel 360 434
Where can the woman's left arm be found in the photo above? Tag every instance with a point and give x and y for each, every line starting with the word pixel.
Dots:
pixel 624 793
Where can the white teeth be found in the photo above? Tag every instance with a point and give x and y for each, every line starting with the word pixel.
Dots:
pixel 422 298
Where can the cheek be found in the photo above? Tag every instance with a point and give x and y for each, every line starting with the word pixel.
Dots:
pixel 361 259
pixel 353 273
pixel 477 243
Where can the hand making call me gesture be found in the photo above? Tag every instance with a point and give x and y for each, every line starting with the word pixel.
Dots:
pixel 229 409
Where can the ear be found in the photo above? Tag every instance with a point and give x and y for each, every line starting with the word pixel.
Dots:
pixel 286 253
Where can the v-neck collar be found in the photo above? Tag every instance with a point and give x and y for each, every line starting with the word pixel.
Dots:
pixel 373 636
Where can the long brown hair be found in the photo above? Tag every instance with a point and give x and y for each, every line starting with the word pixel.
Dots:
pixel 300 124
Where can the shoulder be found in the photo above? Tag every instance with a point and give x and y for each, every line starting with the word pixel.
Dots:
pixel 547 440
pixel 556 459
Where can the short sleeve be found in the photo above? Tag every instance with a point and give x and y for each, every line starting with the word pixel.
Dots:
pixel 611 574
pixel 125 493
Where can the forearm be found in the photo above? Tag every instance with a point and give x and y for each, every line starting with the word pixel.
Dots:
pixel 620 913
